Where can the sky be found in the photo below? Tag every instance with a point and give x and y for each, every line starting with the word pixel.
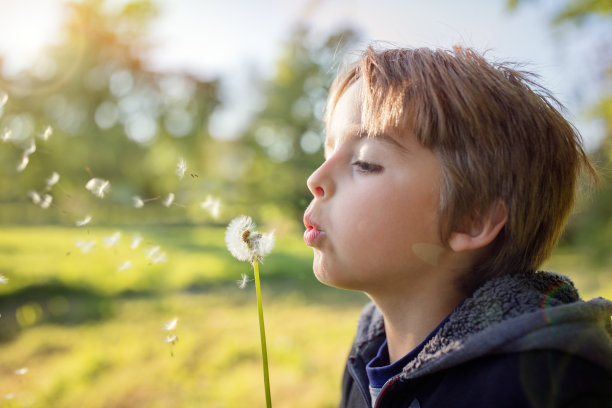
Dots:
pixel 211 38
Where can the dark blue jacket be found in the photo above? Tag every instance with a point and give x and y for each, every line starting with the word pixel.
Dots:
pixel 523 340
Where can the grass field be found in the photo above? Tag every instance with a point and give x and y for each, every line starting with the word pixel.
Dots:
pixel 84 328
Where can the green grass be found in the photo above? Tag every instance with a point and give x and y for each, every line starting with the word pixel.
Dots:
pixel 92 335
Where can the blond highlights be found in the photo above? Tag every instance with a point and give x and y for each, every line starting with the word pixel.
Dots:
pixel 497 133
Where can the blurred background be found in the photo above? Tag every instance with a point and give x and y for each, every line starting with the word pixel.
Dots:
pixel 131 132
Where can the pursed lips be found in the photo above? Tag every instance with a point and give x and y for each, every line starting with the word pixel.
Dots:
pixel 313 231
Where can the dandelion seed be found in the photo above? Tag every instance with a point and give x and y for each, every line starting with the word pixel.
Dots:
pixel 6 135
pixel 23 163
pixel 3 279
pixel 112 240
pixel 159 258
pixel 47 133
pixel 212 205
pixel 124 266
pixel 181 167
pixel 98 187
pixel 53 179
pixel 34 196
pixel 85 246
pixel 21 371
pixel 9 396
pixel 243 282
pixel 138 203
pixel 136 240
pixel 84 221
pixel 244 243
pixel 171 338
pixel 30 149
pixel 152 252
pixel 46 201
pixel 3 98
pixel 171 325
pixel 169 200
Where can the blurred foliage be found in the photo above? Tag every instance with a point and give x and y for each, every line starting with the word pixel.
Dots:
pixel 590 230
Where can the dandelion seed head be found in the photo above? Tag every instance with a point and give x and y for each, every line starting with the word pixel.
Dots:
pixel 211 204
pixel 246 244
pixel 84 221
pixel 138 203
pixel 3 279
pixel 46 201
pixel 98 187
pixel 21 371
pixel 181 167
pixel 112 240
pixel 124 266
pixel 168 200
pixel 171 325
pixel 23 163
pixel 53 179
pixel 85 246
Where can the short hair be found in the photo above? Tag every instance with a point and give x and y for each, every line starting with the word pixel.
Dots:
pixel 497 133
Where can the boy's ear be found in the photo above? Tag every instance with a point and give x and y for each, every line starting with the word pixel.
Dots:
pixel 480 231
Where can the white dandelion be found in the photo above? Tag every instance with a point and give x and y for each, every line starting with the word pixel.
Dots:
pixel 211 204
pixel 112 240
pixel 243 281
pixel 124 266
pixel 53 179
pixel 246 244
pixel 47 133
pixel 6 134
pixel 98 187
pixel 171 325
pixel 84 221
pixel 168 200
pixel 21 371
pixel 46 201
pixel 181 168
pixel 85 246
pixel 138 203
pixel 136 240
pixel 34 196
pixel 3 279
pixel 30 149
pixel 23 163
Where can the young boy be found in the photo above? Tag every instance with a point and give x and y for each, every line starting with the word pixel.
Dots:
pixel 447 182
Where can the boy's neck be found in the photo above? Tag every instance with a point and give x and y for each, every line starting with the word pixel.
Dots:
pixel 410 318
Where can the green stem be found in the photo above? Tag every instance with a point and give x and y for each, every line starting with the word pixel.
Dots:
pixel 262 333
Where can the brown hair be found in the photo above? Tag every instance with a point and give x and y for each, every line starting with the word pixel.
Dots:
pixel 497 133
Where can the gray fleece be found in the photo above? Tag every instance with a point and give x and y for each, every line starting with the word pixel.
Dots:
pixel 519 312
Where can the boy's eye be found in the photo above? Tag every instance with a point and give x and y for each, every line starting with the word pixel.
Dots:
pixel 365 167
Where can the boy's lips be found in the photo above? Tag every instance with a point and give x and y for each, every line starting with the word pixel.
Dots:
pixel 313 231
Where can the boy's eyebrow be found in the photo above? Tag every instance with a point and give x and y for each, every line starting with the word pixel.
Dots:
pixel 360 133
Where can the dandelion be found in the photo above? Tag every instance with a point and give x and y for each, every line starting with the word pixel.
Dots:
pixel 136 240
pixel 21 371
pixel 34 196
pixel 246 244
pixel 98 187
pixel 112 240
pixel 212 205
pixel 84 221
pixel 47 133
pixel 181 167
pixel 85 246
pixel 53 179
pixel 46 201
pixel 124 266
pixel 169 200
pixel 138 203
pixel 23 163
pixel 3 279
pixel 171 325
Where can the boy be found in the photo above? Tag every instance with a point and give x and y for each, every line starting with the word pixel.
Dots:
pixel 446 184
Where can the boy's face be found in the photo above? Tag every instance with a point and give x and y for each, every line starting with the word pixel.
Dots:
pixel 373 222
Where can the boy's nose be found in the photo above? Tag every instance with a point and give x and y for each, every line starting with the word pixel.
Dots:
pixel 315 184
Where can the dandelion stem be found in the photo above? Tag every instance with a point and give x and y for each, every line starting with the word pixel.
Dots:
pixel 262 333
